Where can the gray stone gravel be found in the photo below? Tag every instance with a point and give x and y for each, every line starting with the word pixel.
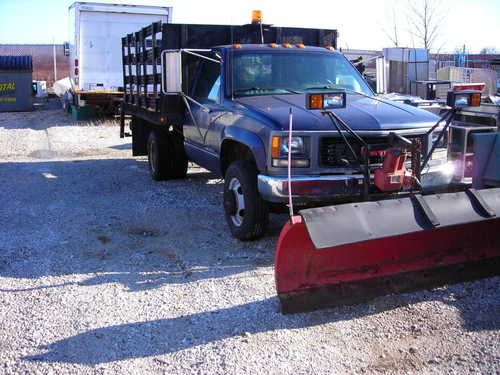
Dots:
pixel 103 270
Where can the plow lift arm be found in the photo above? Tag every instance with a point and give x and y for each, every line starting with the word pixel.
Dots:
pixel 350 253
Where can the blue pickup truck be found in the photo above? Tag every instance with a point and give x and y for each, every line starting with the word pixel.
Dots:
pixel 233 103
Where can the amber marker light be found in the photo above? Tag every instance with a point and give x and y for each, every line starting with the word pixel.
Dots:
pixel 316 101
pixel 275 148
pixel 256 17
pixel 475 100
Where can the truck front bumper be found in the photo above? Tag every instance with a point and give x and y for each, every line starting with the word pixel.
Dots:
pixel 309 188
pixel 323 188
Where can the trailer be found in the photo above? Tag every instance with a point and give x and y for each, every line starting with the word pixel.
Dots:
pixel 95 31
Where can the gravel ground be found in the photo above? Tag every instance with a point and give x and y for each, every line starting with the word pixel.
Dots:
pixel 103 270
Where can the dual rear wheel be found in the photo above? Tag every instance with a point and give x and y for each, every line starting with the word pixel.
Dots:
pixel 166 156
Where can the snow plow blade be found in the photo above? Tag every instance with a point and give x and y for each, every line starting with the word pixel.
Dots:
pixel 350 253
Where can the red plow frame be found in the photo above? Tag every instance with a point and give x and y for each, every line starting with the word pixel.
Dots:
pixel 351 253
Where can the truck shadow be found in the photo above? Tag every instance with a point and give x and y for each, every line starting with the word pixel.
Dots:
pixel 124 146
pixel 162 336
pixel 105 218
pixel 92 222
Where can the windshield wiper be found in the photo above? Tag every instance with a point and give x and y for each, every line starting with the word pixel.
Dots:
pixel 325 87
pixel 239 91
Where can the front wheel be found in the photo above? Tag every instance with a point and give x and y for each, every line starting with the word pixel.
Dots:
pixel 246 212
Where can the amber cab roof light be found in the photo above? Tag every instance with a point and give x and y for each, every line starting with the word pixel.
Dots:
pixel 256 17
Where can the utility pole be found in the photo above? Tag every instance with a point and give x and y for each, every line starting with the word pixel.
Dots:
pixel 54 57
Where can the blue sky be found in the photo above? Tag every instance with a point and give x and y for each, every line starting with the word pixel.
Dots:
pixel 361 23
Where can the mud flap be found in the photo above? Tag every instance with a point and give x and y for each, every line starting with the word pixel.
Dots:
pixel 350 253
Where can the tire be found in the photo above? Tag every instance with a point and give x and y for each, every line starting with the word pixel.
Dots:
pixel 246 212
pixel 179 157
pixel 166 157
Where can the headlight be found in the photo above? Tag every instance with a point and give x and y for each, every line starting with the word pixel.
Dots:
pixel 299 150
pixel 296 146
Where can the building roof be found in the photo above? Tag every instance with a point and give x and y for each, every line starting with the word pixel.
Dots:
pixel 16 63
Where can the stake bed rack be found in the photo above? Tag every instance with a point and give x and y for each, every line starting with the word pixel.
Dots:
pixel 141 56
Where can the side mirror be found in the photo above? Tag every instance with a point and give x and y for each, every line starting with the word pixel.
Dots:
pixel 171 73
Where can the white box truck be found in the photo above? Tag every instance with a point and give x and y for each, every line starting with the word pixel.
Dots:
pixel 95 32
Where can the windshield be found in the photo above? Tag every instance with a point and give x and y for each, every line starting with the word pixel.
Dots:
pixel 258 73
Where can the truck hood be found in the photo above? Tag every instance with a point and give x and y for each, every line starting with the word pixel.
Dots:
pixel 361 113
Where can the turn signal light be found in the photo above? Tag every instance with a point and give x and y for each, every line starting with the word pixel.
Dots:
pixel 287 45
pixel 273 45
pixel 301 45
pixel 475 100
pixel 275 147
pixel 316 101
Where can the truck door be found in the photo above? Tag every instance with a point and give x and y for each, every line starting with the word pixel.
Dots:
pixel 206 92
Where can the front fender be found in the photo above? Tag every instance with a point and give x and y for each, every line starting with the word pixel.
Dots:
pixel 249 139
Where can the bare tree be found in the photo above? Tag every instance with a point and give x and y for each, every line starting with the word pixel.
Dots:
pixel 425 18
pixel 392 34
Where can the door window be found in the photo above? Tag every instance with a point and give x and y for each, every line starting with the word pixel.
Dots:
pixel 213 95
pixel 208 81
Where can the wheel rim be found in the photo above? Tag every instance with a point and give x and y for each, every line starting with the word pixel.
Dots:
pixel 152 156
pixel 239 200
